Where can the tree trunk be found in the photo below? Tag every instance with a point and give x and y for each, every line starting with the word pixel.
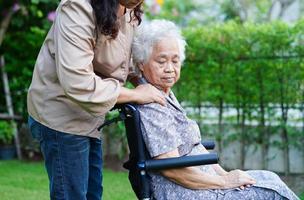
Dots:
pixel 221 110
pixel 285 141
pixel 10 108
pixel 284 118
pixel 239 125
pixel 220 126
pixel 263 134
pixel 199 106
pixel 243 138
pixel 4 24
pixel 199 118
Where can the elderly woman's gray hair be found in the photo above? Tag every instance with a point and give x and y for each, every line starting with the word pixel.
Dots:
pixel 149 33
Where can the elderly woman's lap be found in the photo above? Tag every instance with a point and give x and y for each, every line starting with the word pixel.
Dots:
pixel 270 180
pixel 251 193
pixel 254 193
pixel 269 186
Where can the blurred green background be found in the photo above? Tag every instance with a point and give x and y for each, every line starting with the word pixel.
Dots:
pixel 242 81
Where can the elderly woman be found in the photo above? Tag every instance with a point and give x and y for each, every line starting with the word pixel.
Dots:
pixel 158 52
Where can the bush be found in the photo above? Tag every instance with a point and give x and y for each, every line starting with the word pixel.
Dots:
pixel 6 133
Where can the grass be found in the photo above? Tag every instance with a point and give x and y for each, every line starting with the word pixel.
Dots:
pixel 28 181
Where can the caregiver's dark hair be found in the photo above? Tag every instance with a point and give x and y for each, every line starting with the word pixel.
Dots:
pixel 106 16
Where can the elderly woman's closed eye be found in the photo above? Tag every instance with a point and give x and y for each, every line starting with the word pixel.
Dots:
pixel 158 52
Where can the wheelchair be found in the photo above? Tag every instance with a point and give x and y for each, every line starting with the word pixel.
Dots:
pixel 140 163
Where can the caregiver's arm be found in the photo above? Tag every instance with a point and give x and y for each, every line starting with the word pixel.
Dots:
pixel 142 94
pixel 194 178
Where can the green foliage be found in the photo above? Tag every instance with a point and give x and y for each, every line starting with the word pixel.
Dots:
pixel 21 45
pixel 230 51
pixel 255 68
pixel 6 133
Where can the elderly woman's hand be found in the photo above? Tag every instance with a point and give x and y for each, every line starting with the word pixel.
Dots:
pixel 237 178
pixel 147 93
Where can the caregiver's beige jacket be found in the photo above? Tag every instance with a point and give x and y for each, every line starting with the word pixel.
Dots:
pixel 77 76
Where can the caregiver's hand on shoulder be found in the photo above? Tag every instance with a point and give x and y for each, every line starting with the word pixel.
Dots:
pixel 142 94
pixel 147 93
pixel 237 178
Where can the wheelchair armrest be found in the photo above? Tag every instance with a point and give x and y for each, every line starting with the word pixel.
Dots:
pixel 184 161
pixel 209 145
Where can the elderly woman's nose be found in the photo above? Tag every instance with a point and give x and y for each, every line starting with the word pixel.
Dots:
pixel 169 67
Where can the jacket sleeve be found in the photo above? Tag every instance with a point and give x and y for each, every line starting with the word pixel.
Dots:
pixel 74 53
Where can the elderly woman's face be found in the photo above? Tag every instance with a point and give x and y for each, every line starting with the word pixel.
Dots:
pixel 163 68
